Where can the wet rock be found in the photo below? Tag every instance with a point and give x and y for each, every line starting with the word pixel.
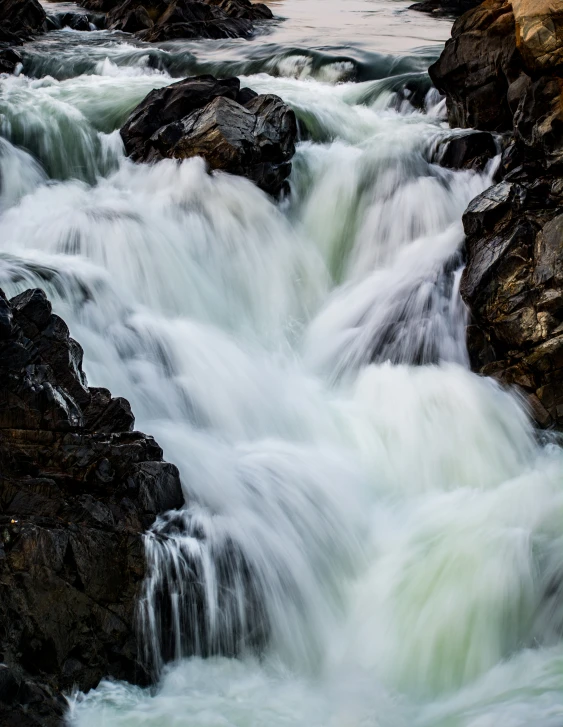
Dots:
pixel 159 20
pixel 9 60
pixel 76 21
pixel 478 65
pixel 233 129
pixel 502 70
pixel 20 20
pixel 444 8
pixel 78 488
pixel 468 151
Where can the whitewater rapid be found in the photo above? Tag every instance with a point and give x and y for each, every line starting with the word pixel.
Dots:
pixel 373 535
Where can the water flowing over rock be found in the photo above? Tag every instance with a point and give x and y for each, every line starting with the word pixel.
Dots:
pixel 502 70
pixel 233 129
pixel 78 487
pixel 159 20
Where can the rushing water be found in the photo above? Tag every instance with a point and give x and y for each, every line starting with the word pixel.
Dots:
pixel 373 535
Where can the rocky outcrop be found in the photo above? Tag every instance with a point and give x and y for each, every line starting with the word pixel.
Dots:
pixel 444 8
pixel 78 488
pixel 502 70
pixel 233 129
pixel 160 20
pixel 19 21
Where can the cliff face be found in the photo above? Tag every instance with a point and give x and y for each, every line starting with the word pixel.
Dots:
pixel 502 70
pixel 78 487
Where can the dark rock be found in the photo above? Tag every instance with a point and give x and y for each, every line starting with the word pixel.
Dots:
pixel 501 70
pixel 159 20
pixel 9 60
pixel 477 66
pixel 468 151
pixel 20 20
pixel 445 8
pixel 78 488
pixel 234 130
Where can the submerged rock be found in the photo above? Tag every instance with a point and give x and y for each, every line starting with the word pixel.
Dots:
pixel 468 151
pixel 233 129
pixel 78 488
pixel 444 8
pixel 502 71
pixel 159 20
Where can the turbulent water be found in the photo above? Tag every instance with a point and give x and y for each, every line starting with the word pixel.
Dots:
pixel 373 535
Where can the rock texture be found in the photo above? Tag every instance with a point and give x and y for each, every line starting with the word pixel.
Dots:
pixel 160 20
pixel 472 150
pixel 233 129
pixel 78 487
pixel 502 70
pixel 19 21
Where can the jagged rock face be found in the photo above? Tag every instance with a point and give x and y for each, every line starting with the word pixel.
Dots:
pixel 160 20
pixel 444 8
pixel 478 65
pixel 20 19
pixel 502 70
pixel 78 487
pixel 513 284
pixel 233 129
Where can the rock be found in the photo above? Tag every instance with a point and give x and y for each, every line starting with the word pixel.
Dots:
pixel 513 285
pixel 160 20
pixel 233 129
pixel 468 151
pixel 76 21
pixel 501 70
pixel 444 8
pixel 78 488
pixel 21 19
pixel 9 60
pixel 477 66
pixel 539 25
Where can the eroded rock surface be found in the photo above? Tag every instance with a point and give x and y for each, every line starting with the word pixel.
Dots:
pixel 502 71
pixel 78 487
pixel 233 129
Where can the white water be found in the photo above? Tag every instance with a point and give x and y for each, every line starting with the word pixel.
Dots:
pixel 374 531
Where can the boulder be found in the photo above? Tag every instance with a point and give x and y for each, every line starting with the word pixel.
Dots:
pixel 233 129
pixel 78 488
pixel 9 60
pixel 160 20
pixel 20 20
pixel 477 66
pixel 473 150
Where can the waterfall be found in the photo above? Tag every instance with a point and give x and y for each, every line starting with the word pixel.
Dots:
pixel 372 534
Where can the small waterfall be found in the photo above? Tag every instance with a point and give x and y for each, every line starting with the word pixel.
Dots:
pixel 372 534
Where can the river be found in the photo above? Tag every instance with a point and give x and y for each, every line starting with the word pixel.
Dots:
pixel 373 535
